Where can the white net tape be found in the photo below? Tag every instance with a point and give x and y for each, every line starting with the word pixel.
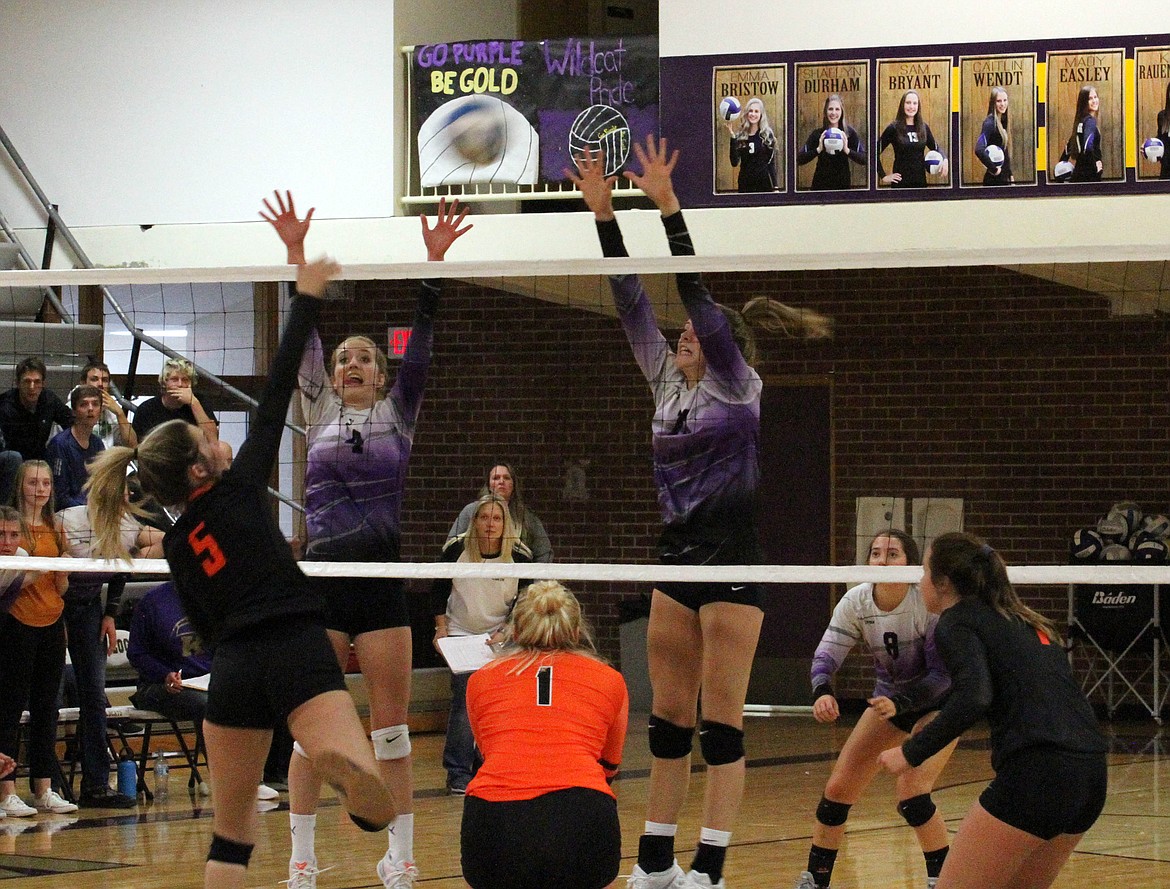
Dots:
pixel 1044 575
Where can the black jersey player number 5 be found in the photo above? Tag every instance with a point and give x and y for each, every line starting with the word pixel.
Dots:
pixel 211 557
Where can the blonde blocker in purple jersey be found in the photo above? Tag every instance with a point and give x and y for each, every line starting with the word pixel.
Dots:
pixel 706 427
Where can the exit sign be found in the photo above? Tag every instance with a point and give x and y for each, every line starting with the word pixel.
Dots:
pixel 396 340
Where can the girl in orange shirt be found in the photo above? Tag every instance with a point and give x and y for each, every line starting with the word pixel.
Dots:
pixel 32 648
pixel 550 719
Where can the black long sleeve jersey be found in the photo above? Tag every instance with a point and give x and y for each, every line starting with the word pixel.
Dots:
pixel 231 564
pixel 1001 668
pixel 909 154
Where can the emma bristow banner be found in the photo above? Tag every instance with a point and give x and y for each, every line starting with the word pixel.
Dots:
pixel 514 112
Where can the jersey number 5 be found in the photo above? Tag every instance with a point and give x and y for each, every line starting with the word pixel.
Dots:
pixel 211 556
pixel 544 686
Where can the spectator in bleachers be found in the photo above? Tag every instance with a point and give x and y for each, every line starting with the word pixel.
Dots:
pixel 176 401
pixel 71 449
pixel 32 649
pixel 91 639
pixel 114 426
pixel 28 412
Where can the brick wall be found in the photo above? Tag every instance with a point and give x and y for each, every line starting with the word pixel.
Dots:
pixel 1022 397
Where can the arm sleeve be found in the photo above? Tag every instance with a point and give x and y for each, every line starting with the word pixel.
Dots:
pixel 931 143
pixel 889 137
pixel 735 150
pixel 62 416
pixel 808 151
pixel 611 752
pixel 838 640
pixel 857 152
pixel 983 141
pixel 140 651
pixel 723 357
pixel 538 540
pixel 407 391
pixel 651 351
pixel 258 452
pixel 971 692
pixel 114 589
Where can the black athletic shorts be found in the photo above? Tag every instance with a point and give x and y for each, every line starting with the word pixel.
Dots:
pixel 356 605
pixel 738 548
pixel 1046 791
pixel 260 676
pixel 566 839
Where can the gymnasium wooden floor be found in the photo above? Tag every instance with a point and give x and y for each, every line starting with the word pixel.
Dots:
pixel 163 846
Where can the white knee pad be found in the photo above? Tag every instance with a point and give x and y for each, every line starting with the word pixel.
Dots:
pixel 392 742
pixel 299 750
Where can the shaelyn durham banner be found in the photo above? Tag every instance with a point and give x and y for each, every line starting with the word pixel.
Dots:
pixel 510 112
pixel 1077 116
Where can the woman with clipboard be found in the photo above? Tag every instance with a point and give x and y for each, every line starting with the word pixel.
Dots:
pixel 472 606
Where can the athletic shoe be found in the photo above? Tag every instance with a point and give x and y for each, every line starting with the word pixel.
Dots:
pixel 395 877
pixel 51 801
pixel 106 798
pixel 303 874
pixel 456 789
pixel 264 792
pixel 14 806
pixel 674 878
pixel 702 881
pixel 931 882
pixel 806 881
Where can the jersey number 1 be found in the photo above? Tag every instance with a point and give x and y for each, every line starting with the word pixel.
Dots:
pixel 211 556
pixel 544 686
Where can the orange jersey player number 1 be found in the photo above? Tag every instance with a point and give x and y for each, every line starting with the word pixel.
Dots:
pixel 211 556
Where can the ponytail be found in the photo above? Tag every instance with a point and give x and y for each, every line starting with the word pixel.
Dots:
pixel 976 570
pixel 164 457
pixel 770 316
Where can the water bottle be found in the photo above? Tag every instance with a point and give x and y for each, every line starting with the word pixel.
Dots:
pixel 127 776
pixel 162 776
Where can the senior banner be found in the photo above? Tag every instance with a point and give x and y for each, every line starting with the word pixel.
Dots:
pixel 514 112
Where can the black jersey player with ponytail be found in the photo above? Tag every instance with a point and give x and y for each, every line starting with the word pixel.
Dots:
pixel 1007 665
pixel 250 604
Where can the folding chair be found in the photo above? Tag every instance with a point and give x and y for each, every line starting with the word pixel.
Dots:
pixel 1124 643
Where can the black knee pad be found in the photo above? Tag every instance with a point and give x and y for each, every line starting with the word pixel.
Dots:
pixel 229 851
pixel 721 743
pixel 832 814
pixel 917 810
pixel 669 741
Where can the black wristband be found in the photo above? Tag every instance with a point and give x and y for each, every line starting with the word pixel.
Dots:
pixel 820 690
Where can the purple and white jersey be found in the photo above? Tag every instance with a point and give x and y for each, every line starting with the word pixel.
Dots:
pixel 358 458
pixel 901 642
pixel 705 439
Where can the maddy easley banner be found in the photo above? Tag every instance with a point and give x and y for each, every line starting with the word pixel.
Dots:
pixel 513 112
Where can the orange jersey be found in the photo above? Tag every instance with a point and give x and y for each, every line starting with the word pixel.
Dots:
pixel 560 723
pixel 39 604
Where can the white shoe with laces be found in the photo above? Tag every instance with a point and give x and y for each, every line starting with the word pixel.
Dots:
pixel 15 807
pixel 700 880
pixel 674 878
pixel 931 882
pixel 806 881
pixel 264 792
pixel 51 801
pixel 394 876
pixel 303 874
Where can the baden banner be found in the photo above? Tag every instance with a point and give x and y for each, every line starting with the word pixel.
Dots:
pixel 512 112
